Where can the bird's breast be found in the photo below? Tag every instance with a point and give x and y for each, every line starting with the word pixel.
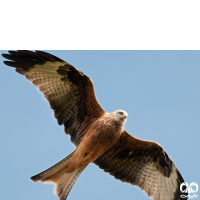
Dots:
pixel 103 133
pixel 100 136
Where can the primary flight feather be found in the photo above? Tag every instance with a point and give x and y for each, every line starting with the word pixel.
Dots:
pixel 99 136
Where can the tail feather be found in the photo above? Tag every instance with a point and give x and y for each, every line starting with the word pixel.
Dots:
pixel 58 175
pixel 66 182
pixel 44 176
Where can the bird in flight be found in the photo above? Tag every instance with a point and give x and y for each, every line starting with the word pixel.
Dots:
pixel 99 137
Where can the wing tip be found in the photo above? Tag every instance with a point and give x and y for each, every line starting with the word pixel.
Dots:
pixel 4 55
pixel 29 57
pixel 9 63
pixel 35 178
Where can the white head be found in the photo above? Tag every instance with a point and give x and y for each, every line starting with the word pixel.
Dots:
pixel 120 115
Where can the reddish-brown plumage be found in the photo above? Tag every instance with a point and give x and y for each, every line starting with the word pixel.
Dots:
pixel 99 136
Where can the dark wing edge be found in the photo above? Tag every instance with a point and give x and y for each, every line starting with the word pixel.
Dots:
pixel 69 92
pixel 144 164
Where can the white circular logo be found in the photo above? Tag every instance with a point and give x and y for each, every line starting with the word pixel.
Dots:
pixel 192 188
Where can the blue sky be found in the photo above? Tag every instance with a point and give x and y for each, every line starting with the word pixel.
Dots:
pixel 158 89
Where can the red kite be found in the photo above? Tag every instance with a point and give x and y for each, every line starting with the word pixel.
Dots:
pixel 99 137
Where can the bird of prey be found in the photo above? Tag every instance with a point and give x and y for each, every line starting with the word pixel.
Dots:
pixel 99 137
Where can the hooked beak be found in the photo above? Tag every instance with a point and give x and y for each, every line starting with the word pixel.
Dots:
pixel 124 116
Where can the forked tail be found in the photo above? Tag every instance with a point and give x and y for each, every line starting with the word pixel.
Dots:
pixel 58 175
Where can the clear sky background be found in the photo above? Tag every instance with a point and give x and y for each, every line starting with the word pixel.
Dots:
pixel 158 89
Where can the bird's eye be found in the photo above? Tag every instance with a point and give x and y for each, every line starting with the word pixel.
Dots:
pixel 121 113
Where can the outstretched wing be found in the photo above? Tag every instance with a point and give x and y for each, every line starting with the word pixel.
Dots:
pixel 144 164
pixel 70 92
